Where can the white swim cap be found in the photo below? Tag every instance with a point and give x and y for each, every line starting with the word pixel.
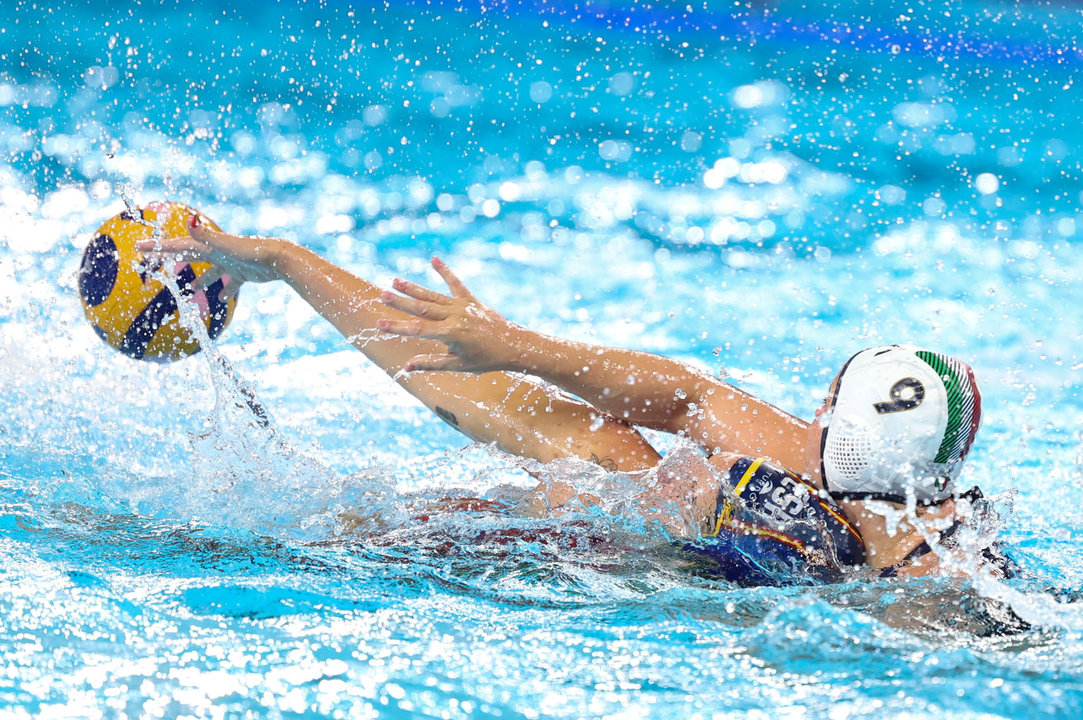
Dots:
pixel 902 419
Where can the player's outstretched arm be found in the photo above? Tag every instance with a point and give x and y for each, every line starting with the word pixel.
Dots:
pixel 518 415
pixel 638 387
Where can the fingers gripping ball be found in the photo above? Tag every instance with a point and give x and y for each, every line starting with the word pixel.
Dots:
pixel 124 298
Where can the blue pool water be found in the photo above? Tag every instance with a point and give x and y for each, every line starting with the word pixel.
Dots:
pixel 761 190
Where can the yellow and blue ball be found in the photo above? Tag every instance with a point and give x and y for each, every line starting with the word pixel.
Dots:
pixel 129 307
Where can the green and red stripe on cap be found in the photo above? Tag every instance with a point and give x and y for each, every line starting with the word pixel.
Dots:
pixel 964 405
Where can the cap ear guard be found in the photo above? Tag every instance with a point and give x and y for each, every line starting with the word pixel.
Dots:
pixel 901 422
pixel 849 449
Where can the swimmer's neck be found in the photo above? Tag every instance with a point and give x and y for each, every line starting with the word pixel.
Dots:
pixel 888 543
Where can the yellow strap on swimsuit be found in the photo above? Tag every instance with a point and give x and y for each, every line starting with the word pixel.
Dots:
pixel 726 514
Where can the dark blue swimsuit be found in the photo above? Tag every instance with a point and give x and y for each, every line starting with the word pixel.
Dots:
pixel 773 527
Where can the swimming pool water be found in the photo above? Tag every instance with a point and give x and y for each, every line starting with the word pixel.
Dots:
pixel 758 189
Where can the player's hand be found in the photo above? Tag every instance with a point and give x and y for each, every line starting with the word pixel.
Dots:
pixel 478 338
pixel 243 258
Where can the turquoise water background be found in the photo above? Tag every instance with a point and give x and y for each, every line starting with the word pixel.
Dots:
pixel 758 189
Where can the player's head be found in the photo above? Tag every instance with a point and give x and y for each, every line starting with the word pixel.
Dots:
pixel 901 419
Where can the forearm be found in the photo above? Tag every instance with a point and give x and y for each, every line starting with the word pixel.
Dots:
pixel 350 303
pixel 656 392
pixel 638 387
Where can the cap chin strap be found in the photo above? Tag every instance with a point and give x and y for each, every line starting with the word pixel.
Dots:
pixel 886 497
pixel 972 494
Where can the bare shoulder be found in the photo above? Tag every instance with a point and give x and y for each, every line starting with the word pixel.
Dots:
pixel 723 462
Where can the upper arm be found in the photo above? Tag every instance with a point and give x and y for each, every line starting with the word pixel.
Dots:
pixel 722 418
